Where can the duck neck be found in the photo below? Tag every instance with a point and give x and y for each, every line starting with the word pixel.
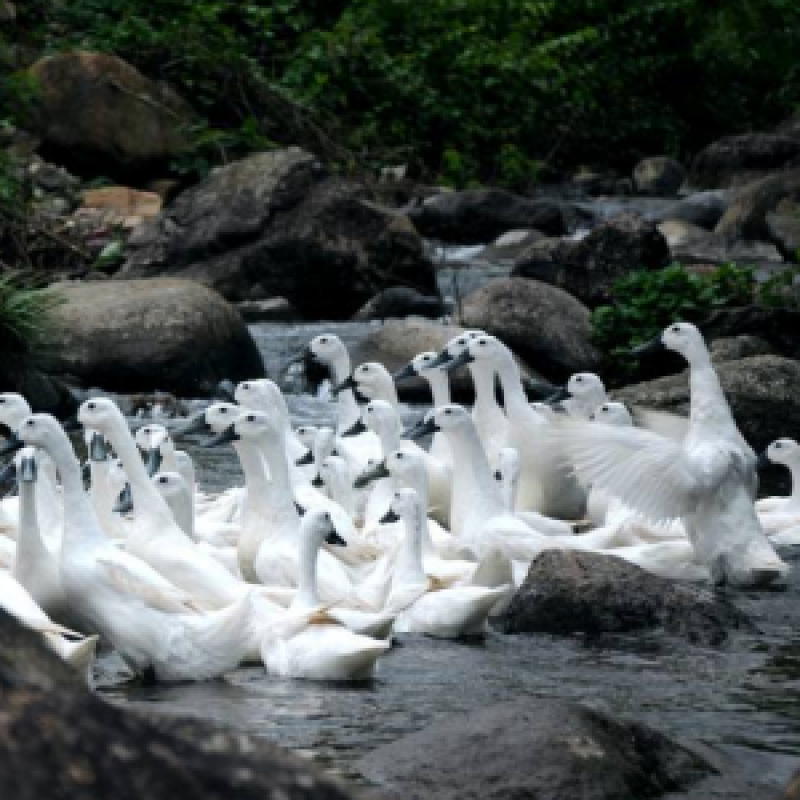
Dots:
pixel 347 408
pixel 510 484
pixel 709 407
pixel 255 479
pixel 307 592
pixel 30 547
pixel 388 432
pixel 181 505
pixel 794 470
pixel 511 383
pixel 440 387
pixel 417 479
pixel 101 495
pixel 415 522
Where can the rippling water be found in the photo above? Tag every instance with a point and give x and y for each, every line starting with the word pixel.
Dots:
pixel 743 699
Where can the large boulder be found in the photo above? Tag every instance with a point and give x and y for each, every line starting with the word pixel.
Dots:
pixel 569 591
pixel 691 244
pixel 534 748
pixel 590 267
pixel 58 740
pixel 273 225
pixel 763 392
pixel 704 209
pixel 780 327
pixel 477 216
pixel 400 301
pixel 130 336
pixel 98 115
pixel 660 175
pixel 764 209
pixel 544 325
pixel 737 160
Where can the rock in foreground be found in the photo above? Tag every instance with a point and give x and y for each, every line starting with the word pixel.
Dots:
pixel 534 748
pixel 568 592
pixel 59 741
pixel 132 336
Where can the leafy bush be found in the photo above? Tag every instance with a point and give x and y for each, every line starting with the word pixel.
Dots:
pixel 645 302
pixel 24 315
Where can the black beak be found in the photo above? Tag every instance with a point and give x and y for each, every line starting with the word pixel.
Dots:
pixel 11 445
pixel 562 394
pixel 648 348
pixel 764 461
pixel 408 371
pixel 72 425
pixel 299 358
pixel 443 358
pixel 464 357
pixel 424 428
pixel 86 472
pixel 348 383
pixel 318 483
pixel 300 509
pixel 354 429
pixel 124 504
pixel 8 477
pixel 336 540
pixel 98 450
pixel 226 390
pixel 226 437
pixel 196 424
pixel 389 516
pixel 305 460
pixel 498 476
pixel 153 461
pixel 371 474
pixel 27 470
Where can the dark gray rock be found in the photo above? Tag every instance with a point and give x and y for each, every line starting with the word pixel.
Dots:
pixel 590 267
pixel 735 348
pixel 133 336
pixel 534 748
pixel 568 592
pixel 783 225
pixel 660 176
pixel 45 393
pixel 779 327
pixel 273 225
pixel 510 246
pixel 737 160
pixel 691 244
pixel 477 216
pixel 274 309
pixel 704 209
pixel 763 392
pixel 400 301
pixel 544 325
pixel 58 740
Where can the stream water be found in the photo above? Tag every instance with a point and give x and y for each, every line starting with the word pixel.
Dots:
pixel 742 699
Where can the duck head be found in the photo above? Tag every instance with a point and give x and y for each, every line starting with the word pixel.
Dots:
pixel 154 441
pixel 454 348
pixel 170 484
pixel 447 418
pixel 782 451
pixel 405 504
pixel 611 413
pixel 318 528
pixel 680 337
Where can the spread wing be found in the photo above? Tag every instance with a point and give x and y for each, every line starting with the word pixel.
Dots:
pixel 672 426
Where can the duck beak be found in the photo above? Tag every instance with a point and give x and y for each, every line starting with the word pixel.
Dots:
pixel 498 476
pixel 371 474
pixel 226 437
pixel 124 504
pixel 348 383
pixel 300 509
pixel 406 372
pixel 648 348
pixel 305 460
pixel 153 461
pixel 464 357
pixel 354 429
pixel 763 461
pixel 336 540
pixel 317 483
pixel 561 394
pixel 98 450
pixel 299 358
pixel 226 391
pixel 8 478
pixel 196 424
pixel 86 472
pixel 443 358
pixel 27 470
pixel 389 516
pixel 11 445
pixel 424 428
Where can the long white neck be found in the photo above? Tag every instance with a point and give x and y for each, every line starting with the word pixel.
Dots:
pixel 388 431
pixel 341 490
pixel 181 504
pixel 410 566
pixel 440 387
pixel 273 451
pixel 307 592
pixel 417 479
pixel 30 547
pixel 510 381
pixel 255 478
pixel 509 486
pixel 102 495
pixel 709 409
pixel 346 407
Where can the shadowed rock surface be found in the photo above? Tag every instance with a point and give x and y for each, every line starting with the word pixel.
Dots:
pixel 568 592
pixel 534 748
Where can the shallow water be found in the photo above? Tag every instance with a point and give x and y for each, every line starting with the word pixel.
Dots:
pixel 742 699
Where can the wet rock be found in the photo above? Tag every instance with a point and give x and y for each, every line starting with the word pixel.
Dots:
pixel 737 160
pixel 273 225
pixel 129 336
pixel 792 790
pixel 704 209
pixel 783 225
pixel 763 392
pixel 737 347
pixel 589 268
pixel 55 191
pixel 660 176
pixel 98 115
pixel 758 210
pixel 45 393
pixel 534 748
pixel 510 246
pixel 157 405
pixel 691 244
pixel 545 326
pixel 568 592
pixel 58 740
pixel 477 216
pixel 780 327
pixel 399 301
pixel 274 309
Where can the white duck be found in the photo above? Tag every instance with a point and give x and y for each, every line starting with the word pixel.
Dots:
pixel 147 619
pixel 319 648
pixel 583 393
pixel 424 606
pixel 708 481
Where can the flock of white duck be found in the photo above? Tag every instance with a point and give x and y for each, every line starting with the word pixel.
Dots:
pixel 341 537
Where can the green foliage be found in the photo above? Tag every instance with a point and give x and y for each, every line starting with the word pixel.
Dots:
pixel 645 302
pixel 24 314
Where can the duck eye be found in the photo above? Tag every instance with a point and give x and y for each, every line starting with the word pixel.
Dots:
pixel 30 423
pixel 676 328
pixel 251 418
pixel 400 455
pixel 91 406
pixel 579 379
pixel 323 340
pixel 448 411
pixel 778 445
pixel 223 411
pixel 2 399
pixel 483 343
